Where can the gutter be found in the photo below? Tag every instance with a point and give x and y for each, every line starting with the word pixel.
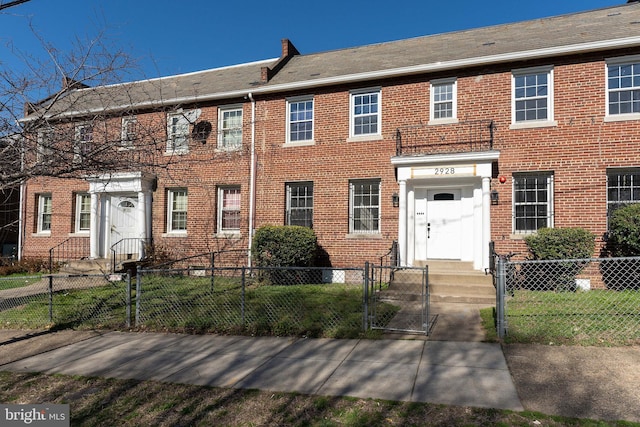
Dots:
pixel 376 75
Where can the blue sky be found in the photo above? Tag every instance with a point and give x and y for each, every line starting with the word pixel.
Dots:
pixel 172 37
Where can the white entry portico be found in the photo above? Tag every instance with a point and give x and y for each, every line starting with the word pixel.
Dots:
pixel 120 210
pixel 444 207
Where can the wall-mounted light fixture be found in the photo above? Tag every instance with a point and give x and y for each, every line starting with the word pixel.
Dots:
pixel 494 197
pixel 395 199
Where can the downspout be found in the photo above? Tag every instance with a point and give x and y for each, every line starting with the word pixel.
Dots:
pixel 252 176
pixel 21 206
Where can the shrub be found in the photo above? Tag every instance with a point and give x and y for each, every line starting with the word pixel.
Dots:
pixel 557 244
pixel 624 231
pixel 284 246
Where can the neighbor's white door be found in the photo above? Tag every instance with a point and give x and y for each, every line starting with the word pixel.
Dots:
pixel 123 221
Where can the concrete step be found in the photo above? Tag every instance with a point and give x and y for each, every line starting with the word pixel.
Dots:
pixel 86 266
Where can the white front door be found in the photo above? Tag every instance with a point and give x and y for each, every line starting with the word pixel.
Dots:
pixel 123 221
pixel 438 224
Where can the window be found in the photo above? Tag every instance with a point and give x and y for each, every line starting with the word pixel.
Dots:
pixel 129 132
pixel 364 206
pixel 532 202
pixel 177 212
pixel 300 204
pixel 300 119
pixel 623 188
pixel 365 113
pixel 83 213
pixel 623 86
pixel 44 148
pixel 83 143
pixel 177 133
pixel 533 95
pixel 230 128
pixel 229 210
pixel 44 213
pixel 443 99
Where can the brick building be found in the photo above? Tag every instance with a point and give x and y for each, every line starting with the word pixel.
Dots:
pixel 442 143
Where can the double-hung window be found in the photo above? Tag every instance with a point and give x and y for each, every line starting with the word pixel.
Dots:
pixel 623 87
pixel 623 188
pixel 364 206
pixel 44 213
pixel 83 213
pixel 177 212
pixel 177 133
pixel 443 100
pixel 365 113
pixel 129 132
pixel 44 146
pixel 229 210
pixel 300 119
pixel 83 144
pixel 532 99
pixel 230 127
pixel 299 204
pixel 532 201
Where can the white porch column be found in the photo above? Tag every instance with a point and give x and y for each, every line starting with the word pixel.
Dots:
pixel 486 220
pixel 94 237
pixel 142 221
pixel 402 223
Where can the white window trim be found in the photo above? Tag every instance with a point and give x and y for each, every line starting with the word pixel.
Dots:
pixel 78 152
pixel 44 150
pixel 125 143
pixel 41 199
pixel 550 120
pixel 445 120
pixel 617 61
pixel 231 231
pixel 78 211
pixel 288 195
pixel 220 140
pixel 170 198
pixel 182 120
pixel 360 233
pixel 313 121
pixel 369 136
pixel 550 201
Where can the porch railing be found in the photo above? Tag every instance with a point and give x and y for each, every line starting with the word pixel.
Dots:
pixel 129 249
pixel 461 137
pixel 74 248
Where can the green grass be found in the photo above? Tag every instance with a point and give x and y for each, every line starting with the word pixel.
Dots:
pixel 17 281
pixel 195 305
pixel 596 317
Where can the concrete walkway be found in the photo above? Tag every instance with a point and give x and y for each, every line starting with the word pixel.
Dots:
pixel 452 373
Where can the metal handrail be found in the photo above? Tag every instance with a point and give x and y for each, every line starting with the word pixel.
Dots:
pixel 72 248
pixel 132 246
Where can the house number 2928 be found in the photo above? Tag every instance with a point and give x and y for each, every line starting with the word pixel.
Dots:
pixel 445 171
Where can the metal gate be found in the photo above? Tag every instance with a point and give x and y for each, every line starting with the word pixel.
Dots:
pixel 398 299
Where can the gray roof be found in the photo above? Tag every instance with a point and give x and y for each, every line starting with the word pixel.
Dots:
pixel 599 29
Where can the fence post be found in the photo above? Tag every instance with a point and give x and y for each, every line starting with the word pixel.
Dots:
pixel 128 299
pixel 242 302
pixel 213 266
pixel 50 298
pixel 366 297
pixel 500 291
pixel 138 295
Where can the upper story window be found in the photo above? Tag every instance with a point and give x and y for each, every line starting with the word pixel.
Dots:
pixel 44 213
pixel 364 206
pixel 229 210
pixel 177 133
pixel 129 132
pixel 83 144
pixel 177 211
pixel 83 213
pixel 532 99
pixel 532 201
pixel 365 113
pixel 300 204
pixel 623 188
pixel 300 119
pixel 623 87
pixel 230 127
pixel 45 145
pixel 443 100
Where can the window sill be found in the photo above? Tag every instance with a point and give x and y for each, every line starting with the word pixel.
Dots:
pixel 299 143
pixel 361 236
pixel 364 138
pixel 521 236
pixel 228 149
pixel 85 233
pixel 41 234
pixel 176 153
pixel 533 125
pixel 622 117
pixel 449 121
pixel 228 235
pixel 175 234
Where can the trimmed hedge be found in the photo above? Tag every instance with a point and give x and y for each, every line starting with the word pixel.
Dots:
pixel 561 243
pixel 284 246
pixel 624 231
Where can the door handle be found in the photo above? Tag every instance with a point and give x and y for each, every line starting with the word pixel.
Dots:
pixel 428 230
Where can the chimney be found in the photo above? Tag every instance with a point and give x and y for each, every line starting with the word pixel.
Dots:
pixel 288 52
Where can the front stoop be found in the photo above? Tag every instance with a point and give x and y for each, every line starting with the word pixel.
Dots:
pixel 86 267
pixel 458 282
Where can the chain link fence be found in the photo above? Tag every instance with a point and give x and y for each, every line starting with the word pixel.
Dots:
pixel 91 301
pixel 582 301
